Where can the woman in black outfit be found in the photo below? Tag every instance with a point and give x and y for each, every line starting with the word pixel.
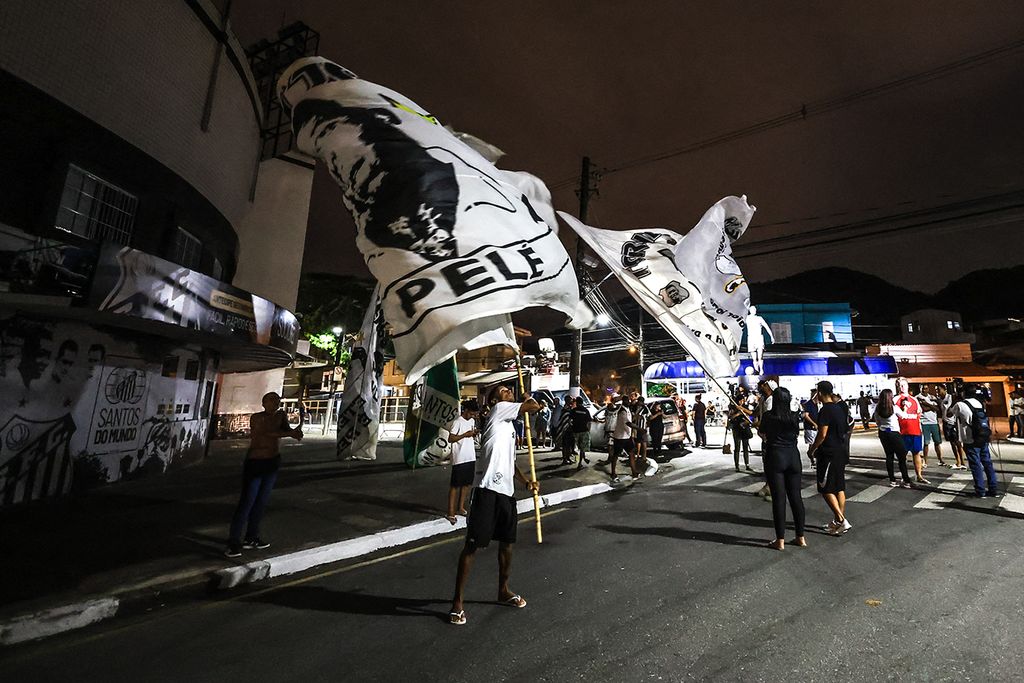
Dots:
pixel 739 423
pixel 780 427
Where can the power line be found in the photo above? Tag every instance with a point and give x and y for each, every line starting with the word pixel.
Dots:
pixel 816 108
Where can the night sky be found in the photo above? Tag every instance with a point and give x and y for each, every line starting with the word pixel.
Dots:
pixel 925 178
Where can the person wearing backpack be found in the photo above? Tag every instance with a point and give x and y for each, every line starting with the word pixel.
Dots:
pixel 975 432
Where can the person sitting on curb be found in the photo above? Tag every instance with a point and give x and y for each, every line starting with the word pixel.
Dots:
pixel 492 512
pixel 259 473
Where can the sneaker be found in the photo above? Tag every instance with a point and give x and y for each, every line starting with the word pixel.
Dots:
pixel 893 484
pixel 233 551
pixel 749 468
pixel 255 544
pixel 906 484
pixel 830 526
pixel 840 529
pixel 994 494
pixel 846 526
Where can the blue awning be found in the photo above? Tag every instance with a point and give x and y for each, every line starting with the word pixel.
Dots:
pixel 785 367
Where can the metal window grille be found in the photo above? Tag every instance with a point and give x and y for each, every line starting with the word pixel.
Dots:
pixel 95 209
pixel 188 250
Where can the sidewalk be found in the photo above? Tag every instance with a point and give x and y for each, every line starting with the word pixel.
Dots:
pixel 143 537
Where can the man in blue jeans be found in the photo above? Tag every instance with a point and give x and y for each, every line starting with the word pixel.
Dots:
pixel 259 474
pixel 975 432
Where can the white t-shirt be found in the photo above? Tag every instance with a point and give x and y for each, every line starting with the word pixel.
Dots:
pixel 496 466
pixel 928 417
pixel 1018 405
pixel 463 450
pixel 622 420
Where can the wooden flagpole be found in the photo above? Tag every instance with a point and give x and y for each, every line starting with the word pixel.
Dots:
pixel 529 448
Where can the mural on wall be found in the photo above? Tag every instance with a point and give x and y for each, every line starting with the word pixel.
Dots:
pixel 79 407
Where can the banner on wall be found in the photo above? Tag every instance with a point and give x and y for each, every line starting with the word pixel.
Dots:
pixel 120 411
pixel 644 261
pixel 132 282
pixel 359 413
pixel 455 243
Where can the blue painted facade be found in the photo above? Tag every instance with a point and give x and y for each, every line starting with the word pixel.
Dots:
pixel 807 323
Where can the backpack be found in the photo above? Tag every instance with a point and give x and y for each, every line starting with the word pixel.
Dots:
pixel 980 428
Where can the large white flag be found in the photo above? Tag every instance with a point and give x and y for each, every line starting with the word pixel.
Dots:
pixel 455 243
pixel 359 413
pixel 705 255
pixel 644 261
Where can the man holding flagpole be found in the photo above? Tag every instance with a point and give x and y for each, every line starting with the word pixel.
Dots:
pixel 492 514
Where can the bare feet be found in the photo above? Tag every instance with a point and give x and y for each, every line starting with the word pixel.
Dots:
pixel 800 542
pixel 451 519
pixel 777 544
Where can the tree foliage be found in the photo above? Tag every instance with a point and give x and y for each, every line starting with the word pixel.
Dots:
pixel 327 301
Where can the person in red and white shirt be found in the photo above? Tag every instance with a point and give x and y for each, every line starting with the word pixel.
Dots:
pixel 910 425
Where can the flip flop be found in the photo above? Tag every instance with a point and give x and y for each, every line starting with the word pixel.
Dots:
pixel 457 618
pixel 515 601
pixel 451 519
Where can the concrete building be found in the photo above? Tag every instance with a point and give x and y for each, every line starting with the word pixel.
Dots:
pixel 132 134
pixel 934 326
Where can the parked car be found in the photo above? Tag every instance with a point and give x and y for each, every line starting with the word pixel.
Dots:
pixel 674 431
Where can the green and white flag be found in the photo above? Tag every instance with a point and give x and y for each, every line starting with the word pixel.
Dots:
pixel 435 405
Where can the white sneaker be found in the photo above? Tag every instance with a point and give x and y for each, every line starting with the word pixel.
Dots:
pixel 893 484
pixel 840 529
pixel 830 526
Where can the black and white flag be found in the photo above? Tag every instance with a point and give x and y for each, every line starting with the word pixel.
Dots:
pixel 359 412
pixel 455 243
pixel 691 286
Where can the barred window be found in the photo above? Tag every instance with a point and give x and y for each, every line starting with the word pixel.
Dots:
pixel 95 209
pixel 188 250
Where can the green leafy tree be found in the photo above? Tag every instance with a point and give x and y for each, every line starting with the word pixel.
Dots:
pixel 327 301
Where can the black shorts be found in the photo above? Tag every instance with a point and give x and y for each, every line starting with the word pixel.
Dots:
pixel 462 474
pixel 951 433
pixel 492 516
pixel 831 474
pixel 623 445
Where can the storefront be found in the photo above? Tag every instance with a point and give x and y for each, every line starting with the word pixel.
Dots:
pixel 109 361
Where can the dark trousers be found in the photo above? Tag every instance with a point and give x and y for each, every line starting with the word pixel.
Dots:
pixel 657 430
pixel 783 471
pixel 700 437
pixel 258 477
pixel 739 440
pixel 895 450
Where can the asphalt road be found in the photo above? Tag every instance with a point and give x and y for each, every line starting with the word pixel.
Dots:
pixel 665 580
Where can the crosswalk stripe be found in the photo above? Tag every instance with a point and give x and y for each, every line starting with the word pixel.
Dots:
pixel 1017 480
pixel 809 491
pixel 688 471
pixel 870 494
pixel 723 480
pixel 689 477
pixel 939 499
pixel 752 488
pixel 1012 502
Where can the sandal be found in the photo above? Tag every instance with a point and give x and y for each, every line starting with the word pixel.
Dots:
pixel 457 618
pixel 515 601
pixel 451 519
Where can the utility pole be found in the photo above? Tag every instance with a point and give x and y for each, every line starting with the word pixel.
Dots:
pixel 576 359
pixel 640 353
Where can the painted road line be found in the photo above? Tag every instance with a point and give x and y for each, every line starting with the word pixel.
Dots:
pixel 870 494
pixel 753 488
pixel 53 621
pixel 939 499
pixel 686 472
pixel 1017 480
pixel 723 480
pixel 1011 502
pixel 809 491
pixel 693 475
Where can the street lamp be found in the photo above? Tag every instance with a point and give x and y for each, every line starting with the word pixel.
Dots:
pixel 338 332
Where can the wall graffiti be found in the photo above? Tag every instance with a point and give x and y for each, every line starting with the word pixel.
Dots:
pixel 79 407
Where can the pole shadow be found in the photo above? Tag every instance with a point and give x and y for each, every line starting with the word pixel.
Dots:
pixel 682 535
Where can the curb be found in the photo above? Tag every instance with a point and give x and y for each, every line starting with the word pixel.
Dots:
pixel 50 622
